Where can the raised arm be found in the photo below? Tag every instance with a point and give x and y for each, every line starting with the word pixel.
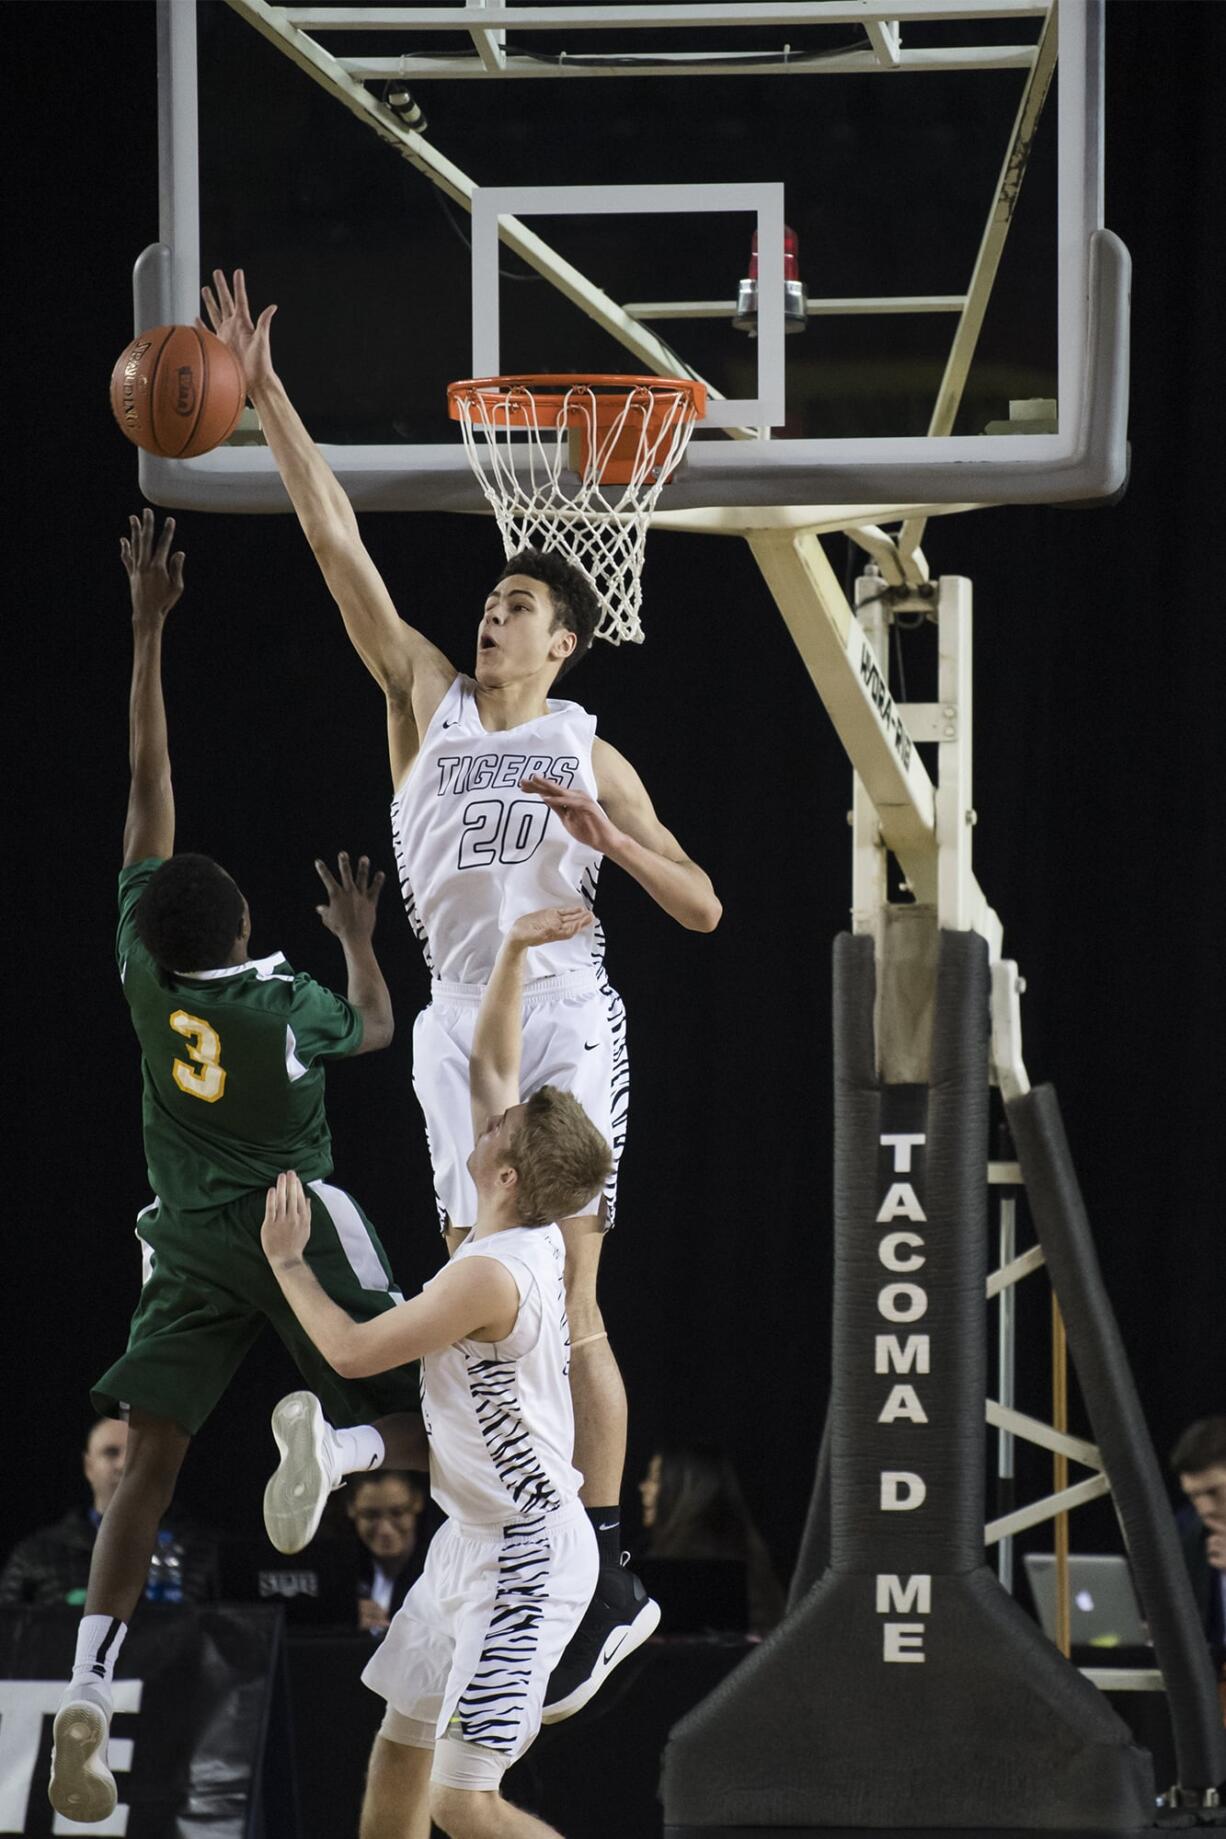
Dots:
pixel 624 827
pixel 493 1066
pixel 474 1298
pixel 155 580
pixel 349 913
pixel 412 673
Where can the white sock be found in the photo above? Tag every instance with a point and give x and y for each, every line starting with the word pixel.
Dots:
pixel 360 1448
pixel 99 1639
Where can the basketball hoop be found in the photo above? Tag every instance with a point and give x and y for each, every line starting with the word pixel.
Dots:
pixel 576 463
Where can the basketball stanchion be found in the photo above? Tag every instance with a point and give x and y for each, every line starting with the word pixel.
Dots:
pixel 577 463
pixel 907 1689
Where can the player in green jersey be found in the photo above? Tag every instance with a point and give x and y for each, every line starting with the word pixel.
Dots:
pixel 232 1053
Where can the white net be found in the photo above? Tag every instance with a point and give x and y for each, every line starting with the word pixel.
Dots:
pixel 579 469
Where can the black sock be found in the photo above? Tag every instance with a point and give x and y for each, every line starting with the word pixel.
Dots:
pixel 607 1525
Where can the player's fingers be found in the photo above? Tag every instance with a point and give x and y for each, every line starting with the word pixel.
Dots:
pixel 163 543
pixel 325 875
pixel 265 320
pixel 363 874
pixel 240 293
pixel 210 306
pixel 344 870
pixel 225 298
pixel 176 568
pixel 376 887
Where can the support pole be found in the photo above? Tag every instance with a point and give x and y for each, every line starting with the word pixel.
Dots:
pixel 1006 1497
pixel 1122 1435
pixel 1059 1476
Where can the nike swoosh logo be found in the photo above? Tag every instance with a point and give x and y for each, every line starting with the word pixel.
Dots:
pixel 451 724
pixel 609 1652
pixel 590 1046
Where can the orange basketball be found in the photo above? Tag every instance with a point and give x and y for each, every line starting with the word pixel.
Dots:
pixel 177 391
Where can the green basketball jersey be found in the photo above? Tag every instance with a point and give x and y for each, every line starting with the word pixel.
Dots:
pixel 232 1063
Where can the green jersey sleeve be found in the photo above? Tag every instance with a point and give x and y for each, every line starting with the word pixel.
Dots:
pixel 134 877
pixel 324 1025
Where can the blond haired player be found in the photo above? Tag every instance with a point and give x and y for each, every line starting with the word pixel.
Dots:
pixel 506 800
pixel 465 1665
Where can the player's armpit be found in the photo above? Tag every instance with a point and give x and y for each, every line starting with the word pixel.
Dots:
pixel 403 660
pixel 473 1299
pixel 650 852
pixel 628 803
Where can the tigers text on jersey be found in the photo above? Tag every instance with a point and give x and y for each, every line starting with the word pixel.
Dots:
pixel 231 1061
pixel 474 852
pixel 498 1415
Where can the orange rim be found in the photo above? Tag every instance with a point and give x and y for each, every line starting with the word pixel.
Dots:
pixel 549 391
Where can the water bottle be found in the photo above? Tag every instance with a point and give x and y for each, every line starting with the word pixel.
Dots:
pixel 165 1580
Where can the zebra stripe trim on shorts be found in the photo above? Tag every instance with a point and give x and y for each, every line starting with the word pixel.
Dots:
pixel 619 1082
pixel 491 1707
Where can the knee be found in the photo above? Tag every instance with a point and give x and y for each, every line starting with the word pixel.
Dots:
pixel 152 1462
pixel 463 1813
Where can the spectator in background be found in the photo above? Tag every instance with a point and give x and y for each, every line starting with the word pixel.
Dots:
pixel 1199 1460
pixel 386 1508
pixel 52 1564
pixel 693 1507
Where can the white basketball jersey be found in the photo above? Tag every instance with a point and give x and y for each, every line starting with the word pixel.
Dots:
pixel 474 852
pixel 498 1415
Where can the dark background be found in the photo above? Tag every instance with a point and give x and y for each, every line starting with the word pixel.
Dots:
pixel 1097 780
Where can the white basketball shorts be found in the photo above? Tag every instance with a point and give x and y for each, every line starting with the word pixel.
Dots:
pixel 472 1647
pixel 574 1038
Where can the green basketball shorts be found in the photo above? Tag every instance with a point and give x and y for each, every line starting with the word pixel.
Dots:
pixel 208 1290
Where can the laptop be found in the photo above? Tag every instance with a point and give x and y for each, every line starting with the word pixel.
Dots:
pixel 697 1596
pixel 1103 1609
pixel 317 1588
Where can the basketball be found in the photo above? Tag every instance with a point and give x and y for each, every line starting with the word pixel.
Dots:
pixel 177 391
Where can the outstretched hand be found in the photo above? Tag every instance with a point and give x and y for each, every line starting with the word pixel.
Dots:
pixel 549 924
pixel 155 576
pixel 230 318
pixel 587 821
pixel 349 911
pixel 287 1220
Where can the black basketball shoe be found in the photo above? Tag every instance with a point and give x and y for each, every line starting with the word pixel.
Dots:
pixel 619 1619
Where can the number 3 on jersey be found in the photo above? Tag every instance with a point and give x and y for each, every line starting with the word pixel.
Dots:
pixel 494 832
pixel 207 1078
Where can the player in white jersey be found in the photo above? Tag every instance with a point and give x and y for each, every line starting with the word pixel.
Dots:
pixel 465 1664
pixel 505 800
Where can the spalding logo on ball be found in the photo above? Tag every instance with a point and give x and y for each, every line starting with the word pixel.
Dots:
pixel 177 391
